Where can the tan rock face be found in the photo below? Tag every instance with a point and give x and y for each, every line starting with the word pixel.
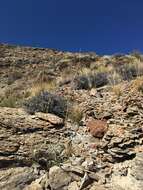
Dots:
pixel 53 119
pixel 97 128
pixel 73 186
pixel 128 175
pixel 58 178
pixel 16 178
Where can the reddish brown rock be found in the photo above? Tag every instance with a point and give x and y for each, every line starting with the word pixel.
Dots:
pixel 97 128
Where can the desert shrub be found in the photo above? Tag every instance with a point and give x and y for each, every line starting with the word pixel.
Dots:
pixel 127 71
pixel 89 81
pixel 100 79
pixel 47 103
pixel 49 155
pixel 82 82
pixel 139 68
pixel 43 77
pixel 114 78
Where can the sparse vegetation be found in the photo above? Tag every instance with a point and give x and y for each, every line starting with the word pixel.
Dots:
pixel 42 86
pixel 47 103
pixel 75 113
pixel 89 81
pixel 10 101
pixel 43 77
pixel 49 155
pixel 117 89
pixel 137 84
pixel 13 76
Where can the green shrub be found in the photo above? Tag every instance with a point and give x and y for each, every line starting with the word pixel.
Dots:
pixel 49 155
pixel 127 71
pixel 47 103
pixel 89 81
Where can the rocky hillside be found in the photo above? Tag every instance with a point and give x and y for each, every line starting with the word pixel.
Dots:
pixel 70 121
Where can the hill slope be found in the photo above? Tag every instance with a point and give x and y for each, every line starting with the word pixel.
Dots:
pixel 70 120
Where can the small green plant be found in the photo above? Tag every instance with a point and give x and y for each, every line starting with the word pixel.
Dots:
pixel 48 155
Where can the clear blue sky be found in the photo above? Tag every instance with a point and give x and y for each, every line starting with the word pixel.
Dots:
pixel 103 26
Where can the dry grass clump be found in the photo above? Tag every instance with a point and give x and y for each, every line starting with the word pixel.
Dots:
pixel 43 77
pixel 139 68
pixel 10 101
pixel 117 90
pixel 13 97
pixel 42 86
pixel 137 84
pixel 75 113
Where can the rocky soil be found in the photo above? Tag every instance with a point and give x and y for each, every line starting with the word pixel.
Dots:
pixel 98 146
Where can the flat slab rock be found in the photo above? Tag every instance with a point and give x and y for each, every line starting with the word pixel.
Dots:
pixel 53 119
pixel 16 178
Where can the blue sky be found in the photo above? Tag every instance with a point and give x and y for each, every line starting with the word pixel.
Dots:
pixel 103 26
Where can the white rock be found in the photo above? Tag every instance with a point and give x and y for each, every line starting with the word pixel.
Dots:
pixel 58 178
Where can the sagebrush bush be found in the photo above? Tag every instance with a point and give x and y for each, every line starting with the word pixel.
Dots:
pixel 47 103
pixel 89 81
pixel 127 71
pixel 83 82
pixel 100 79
